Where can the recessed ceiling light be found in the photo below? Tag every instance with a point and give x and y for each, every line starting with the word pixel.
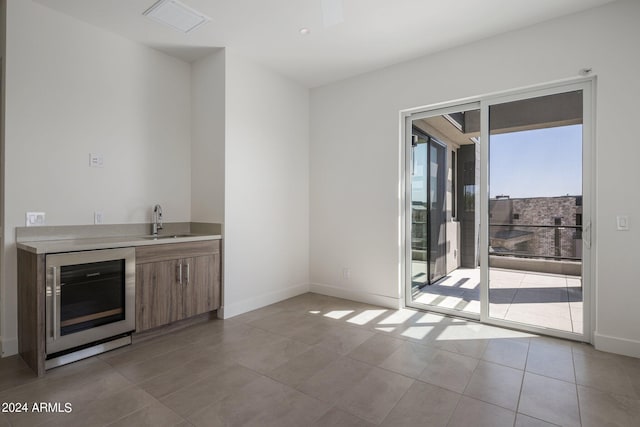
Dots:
pixel 176 15
pixel 304 31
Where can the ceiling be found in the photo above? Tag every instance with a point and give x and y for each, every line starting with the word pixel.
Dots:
pixel 374 33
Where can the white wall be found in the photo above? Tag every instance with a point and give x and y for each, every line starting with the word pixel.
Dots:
pixel 354 166
pixel 208 138
pixel 3 26
pixel 266 187
pixel 73 89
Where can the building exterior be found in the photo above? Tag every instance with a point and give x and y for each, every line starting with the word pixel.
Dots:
pixel 539 227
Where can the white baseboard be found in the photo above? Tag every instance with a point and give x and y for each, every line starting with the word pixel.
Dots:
pixel 616 345
pixel 9 346
pixel 356 295
pixel 259 301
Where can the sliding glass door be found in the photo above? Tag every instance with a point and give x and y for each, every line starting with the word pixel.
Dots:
pixel 428 209
pixel 537 208
pixel 443 256
pixel 500 209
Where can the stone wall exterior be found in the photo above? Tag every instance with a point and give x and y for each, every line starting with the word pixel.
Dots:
pixel 535 211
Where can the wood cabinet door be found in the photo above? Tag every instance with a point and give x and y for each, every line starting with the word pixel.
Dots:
pixel 202 288
pixel 158 294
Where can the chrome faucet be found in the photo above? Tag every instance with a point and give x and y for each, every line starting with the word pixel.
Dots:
pixel 156 217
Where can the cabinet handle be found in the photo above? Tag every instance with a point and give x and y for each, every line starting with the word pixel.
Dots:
pixel 180 273
pixel 54 305
pixel 188 273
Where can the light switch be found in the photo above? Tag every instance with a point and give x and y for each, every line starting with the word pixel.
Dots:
pixel 96 160
pixel 622 222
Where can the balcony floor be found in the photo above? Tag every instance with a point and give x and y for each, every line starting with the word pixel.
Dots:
pixel 540 299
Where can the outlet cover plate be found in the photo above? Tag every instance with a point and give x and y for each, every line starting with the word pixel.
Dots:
pixel 34 219
pixel 98 217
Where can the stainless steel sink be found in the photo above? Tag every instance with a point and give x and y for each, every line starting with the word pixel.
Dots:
pixel 167 236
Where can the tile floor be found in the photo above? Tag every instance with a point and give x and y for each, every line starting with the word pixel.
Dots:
pixel 314 360
pixel 546 300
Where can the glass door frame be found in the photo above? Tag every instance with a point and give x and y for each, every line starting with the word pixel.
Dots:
pixel 407 118
pixel 587 86
pixel 588 161
pixel 430 143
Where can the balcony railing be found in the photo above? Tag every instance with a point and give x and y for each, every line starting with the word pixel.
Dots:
pixel 551 242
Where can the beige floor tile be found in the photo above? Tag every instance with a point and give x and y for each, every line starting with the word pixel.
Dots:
pixel 500 283
pixel 143 351
pixel 409 359
pixel 262 402
pixel 577 326
pixel 302 367
pixel 14 372
pixel 508 352
pixel 240 336
pixel 338 418
pixel 421 334
pixel 344 339
pixel 400 319
pixel 449 370
pixel 259 314
pixel 374 397
pixel 541 298
pixel 531 314
pixel 79 393
pixel 271 355
pixel 423 328
pixel 375 349
pixel 500 295
pixel 598 408
pixel 552 343
pixel 523 297
pixel 204 392
pixel 202 330
pixel 551 361
pixel 540 279
pixel 423 404
pixel 496 384
pixel 60 381
pixel 527 421
pixel 312 335
pixel 287 323
pixel 137 371
pixel 104 411
pixel 605 374
pixel 550 400
pixel 631 366
pixel 498 311
pixel 466 346
pixel 366 318
pixel 304 303
pixel 154 415
pixel 195 370
pixel 472 412
pixel 508 276
pixel 200 368
pixel 333 381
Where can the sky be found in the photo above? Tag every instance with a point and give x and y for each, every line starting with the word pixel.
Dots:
pixel 536 163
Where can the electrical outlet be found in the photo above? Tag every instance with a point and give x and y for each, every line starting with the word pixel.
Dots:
pixel 34 219
pixel 346 273
pixel 98 217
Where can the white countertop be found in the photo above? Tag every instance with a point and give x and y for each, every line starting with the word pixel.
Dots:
pixel 86 244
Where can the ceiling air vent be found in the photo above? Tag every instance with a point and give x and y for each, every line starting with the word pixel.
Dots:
pixel 176 15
